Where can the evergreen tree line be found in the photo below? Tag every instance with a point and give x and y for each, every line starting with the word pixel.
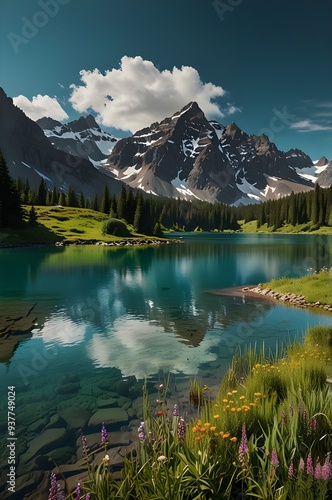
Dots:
pixel 148 214
pixel 313 207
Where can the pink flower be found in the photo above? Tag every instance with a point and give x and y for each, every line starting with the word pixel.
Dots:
pixel 243 447
pixel 291 470
pixel 318 470
pixel 274 459
pixel 181 430
pixel 310 468
pixel 326 472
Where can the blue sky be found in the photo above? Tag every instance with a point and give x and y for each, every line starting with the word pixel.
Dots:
pixel 267 65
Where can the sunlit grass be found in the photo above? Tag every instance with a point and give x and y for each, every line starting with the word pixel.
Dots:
pixel 315 287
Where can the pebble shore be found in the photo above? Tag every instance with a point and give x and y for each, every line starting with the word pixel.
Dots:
pixel 290 298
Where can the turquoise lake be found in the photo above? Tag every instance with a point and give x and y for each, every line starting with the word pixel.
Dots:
pixel 132 313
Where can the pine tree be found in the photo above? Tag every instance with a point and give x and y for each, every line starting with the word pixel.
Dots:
pixel 10 202
pixel 48 197
pixel 71 200
pixel 26 192
pixel 315 205
pixel 41 193
pixel 131 205
pixel 62 199
pixel 122 202
pixel 32 216
pixel 81 200
pixel 105 201
pixel 54 197
pixel 95 203
pixel 138 219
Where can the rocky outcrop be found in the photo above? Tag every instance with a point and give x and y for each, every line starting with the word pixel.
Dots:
pixel 119 243
pixel 289 298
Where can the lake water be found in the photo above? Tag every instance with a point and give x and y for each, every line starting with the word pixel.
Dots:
pixel 109 317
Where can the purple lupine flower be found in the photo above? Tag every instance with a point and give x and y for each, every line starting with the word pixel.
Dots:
pixel 274 459
pixel 78 491
pixel 301 464
pixel 181 430
pixel 55 490
pixel 243 448
pixel 291 409
pixel 310 467
pixel 87 496
pixel 291 469
pixel 284 418
pixel 84 444
pixel 327 468
pixel 176 411
pixel 141 432
pixel 318 470
pixel 103 434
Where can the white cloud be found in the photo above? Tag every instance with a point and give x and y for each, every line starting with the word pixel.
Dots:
pixel 138 94
pixel 40 106
pixel 310 126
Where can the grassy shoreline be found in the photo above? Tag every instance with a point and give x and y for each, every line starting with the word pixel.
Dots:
pixel 67 223
pixel 64 224
pixel 315 287
pixel 266 434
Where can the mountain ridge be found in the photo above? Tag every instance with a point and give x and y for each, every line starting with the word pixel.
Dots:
pixel 30 155
pixel 187 156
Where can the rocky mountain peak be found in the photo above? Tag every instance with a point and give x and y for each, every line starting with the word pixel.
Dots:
pixel 47 123
pixel 322 161
pixel 83 123
pixel 188 111
pixel 233 131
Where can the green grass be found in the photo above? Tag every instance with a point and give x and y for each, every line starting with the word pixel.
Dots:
pixel 272 413
pixel 62 223
pixel 251 227
pixel 315 287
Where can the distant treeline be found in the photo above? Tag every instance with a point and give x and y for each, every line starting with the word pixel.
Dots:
pixel 145 212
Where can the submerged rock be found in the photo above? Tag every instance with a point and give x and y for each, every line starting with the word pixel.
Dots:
pixel 46 441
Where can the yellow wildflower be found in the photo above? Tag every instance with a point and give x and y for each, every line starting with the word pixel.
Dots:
pixel 242 397
pixel 215 416
pixel 226 435
pixel 213 428
pixel 225 400
pixel 239 409
pixel 257 394
pixel 234 392
pixel 233 439
pixel 233 409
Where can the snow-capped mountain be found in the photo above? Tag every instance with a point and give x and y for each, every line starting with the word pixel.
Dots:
pixel 82 137
pixel 30 155
pixel 184 156
pixel 324 172
pixel 187 156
